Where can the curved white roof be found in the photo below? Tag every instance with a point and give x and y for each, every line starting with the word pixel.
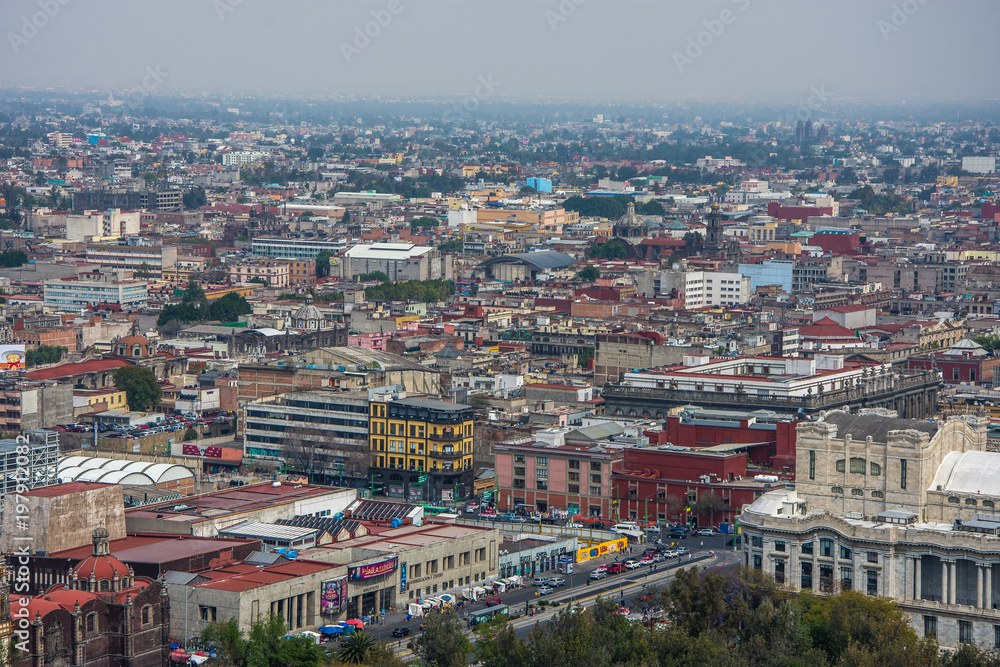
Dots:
pixel 119 471
pixel 969 472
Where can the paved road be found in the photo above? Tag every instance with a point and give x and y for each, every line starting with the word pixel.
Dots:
pixel 624 587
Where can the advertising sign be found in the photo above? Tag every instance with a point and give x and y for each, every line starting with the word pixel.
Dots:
pixel 196 450
pixel 11 358
pixel 601 549
pixel 372 569
pixel 402 578
pixel 332 595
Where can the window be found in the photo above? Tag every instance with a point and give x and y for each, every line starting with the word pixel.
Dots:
pixel 147 615
pixel 847 578
pixel 996 636
pixel 542 485
pixel 807 548
pixel 858 466
pixel 206 613
pixel 595 479
pixel 519 472
pixel 542 473
pixel 595 490
pixel 541 461
pixel 845 553
pixel 840 465
pixel 574 465
pixel 857 492
pixel 779 545
pixel 930 627
pixel 988 503
pixel 826 578
pixel 779 571
pixel 574 476
pixel 806 581
pixel 837 489
pixel 595 465
pixel 872 557
pixel 872 576
pixel 518 483
pixel 518 458
pixel 874 469
pixel 812 465
pixel 970 501
pixel 757 541
pixel 953 499
pixel 965 632
pixel 902 473
pixel 878 494
pixel 826 547
pixel 91 622
pixel 573 488
pixel 954 376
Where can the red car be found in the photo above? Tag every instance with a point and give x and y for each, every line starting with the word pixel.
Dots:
pixel 490 602
pixel 616 568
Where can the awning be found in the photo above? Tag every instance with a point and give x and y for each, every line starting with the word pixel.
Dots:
pixel 356 622
pixel 331 630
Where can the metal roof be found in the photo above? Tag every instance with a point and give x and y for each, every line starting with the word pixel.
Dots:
pixel 542 259
pixel 268 530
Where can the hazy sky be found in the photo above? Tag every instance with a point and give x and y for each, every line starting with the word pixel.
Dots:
pixel 535 49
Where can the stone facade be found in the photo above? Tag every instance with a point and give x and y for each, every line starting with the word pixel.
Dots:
pixel 903 509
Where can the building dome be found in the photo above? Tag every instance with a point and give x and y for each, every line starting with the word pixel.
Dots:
pixel 308 317
pixel 101 572
pixel 630 225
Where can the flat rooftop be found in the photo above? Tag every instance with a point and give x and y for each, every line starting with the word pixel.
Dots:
pixel 157 548
pixel 228 501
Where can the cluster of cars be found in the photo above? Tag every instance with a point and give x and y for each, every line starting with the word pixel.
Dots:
pixel 546 585
pixel 650 557
pixel 168 424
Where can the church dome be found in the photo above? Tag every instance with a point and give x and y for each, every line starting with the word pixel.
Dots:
pixel 101 572
pixel 630 225
pixel 308 317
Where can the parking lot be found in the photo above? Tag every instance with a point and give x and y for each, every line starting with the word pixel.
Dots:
pixel 169 424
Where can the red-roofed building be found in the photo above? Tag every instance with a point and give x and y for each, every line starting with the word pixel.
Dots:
pixel 825 334
pixel 792 213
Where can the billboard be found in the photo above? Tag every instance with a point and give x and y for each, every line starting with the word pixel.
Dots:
pixel 601 549
pixel 11 358
pixel 332 595
pixel 372 569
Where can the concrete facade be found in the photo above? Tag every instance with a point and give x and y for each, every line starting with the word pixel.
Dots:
pixel 64 516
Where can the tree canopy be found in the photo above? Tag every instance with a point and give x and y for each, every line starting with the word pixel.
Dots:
pixel 44 354
pixel 424 221
pixel 589 273
pixel 599 207
pixel 13 258
pixel 140 386
pixel 380 276
pixel 613 249
pixel 427 291
pixel 264 646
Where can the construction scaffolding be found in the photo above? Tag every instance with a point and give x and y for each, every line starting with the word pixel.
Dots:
pixel 32 466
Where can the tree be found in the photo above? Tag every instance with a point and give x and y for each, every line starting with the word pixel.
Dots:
pixel 589 274
pixel 190 434
pixel 140 386
pixel 194 198
pixel 584 357
pixel 357 648
pixel 652 207
pixel 424 221
pixel 374 276
pixel 427 291
pixel 443 642
pixel 613 249
pixel 264 646
pixel 13 258
pixel 44 354
pixel 323 263
pixel 451 246
pixel 346 218
pixel 194 292
pixel 528 190
pixel 709 502
pixel 229 307
pixel 184 313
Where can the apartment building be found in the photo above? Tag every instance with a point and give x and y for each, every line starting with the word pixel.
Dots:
pixel 54 336
pixel 140 258
pixel 80 292
pixel 399 261
pixel 110 224
pixel 291 248
pixel 715 288
pixel 274 273
pixel 546 477
pixel 421 449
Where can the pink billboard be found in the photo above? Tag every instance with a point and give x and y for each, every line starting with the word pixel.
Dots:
pixel 373 569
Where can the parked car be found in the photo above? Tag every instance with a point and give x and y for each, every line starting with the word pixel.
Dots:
pixel 556 583
pixel 599 574
pixel 401 632
pixel 659 558
pixel 517 519
pixel 540 581
pixel 683 551
pixel 646 560
pixel 706 532
pixel 631 564
pixel 677 534
pixel 492 602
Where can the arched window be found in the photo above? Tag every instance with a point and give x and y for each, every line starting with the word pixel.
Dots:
pixel 858 466
pixel 874 469
pixel 105 585
pixel 837 489
pixel 857 492
pixel 840 465
pixel 878 494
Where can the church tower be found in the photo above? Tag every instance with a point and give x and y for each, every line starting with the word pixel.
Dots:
pixel 714 231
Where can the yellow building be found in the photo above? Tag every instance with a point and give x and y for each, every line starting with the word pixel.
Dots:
pixel 421 449
pixel 89 401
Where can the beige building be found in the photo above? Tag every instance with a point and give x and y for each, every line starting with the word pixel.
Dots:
pixel 904 509
pixel 63 516
pixel 273 272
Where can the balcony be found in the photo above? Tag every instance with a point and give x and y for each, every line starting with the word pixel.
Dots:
pixel 449 456
pixel 442 437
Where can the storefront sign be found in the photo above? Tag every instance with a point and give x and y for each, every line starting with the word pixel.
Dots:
pixel 333 595
pixel 402 578
pixel 372 570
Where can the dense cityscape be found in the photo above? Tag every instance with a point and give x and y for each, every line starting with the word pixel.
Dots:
pixel 496 378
